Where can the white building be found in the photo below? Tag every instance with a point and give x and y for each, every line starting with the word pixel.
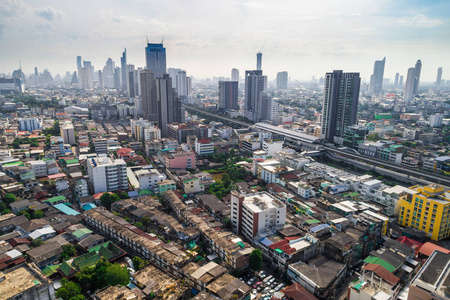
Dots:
pixel 255 213
pixel 61 184
pixel 107 175
pixel 144 130
pixel 82 188
pixel 204 147
pixel 30 124
pixel 225 132
pixel 303 189
pixel 436 120
pixel 148 178
pixel 39 167
pixel 68 133
pixel 271 147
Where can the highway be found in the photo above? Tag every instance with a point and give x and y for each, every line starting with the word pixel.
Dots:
pixel 436 178
pixel 217 116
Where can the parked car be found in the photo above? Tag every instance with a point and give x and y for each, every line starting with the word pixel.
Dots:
pixel 257 284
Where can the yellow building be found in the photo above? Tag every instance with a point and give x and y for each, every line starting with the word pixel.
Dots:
pixel 427 209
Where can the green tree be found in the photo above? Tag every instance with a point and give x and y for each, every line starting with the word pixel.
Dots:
pixel 226 181
pixel 108 198
pixel 25 213
pixel 256 260
pixel 38 214
pixel 9 198
pixel 123 196
pixel 139 225
pixel 68 290
pixel 139 263
pixel 116 274
pixel 374 137
pixel 69 249
pixel 78 297
pixel 37 243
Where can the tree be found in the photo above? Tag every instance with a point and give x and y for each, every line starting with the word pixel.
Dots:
pixel 116 274
pixel 139 263
pixel 9 198
pixel 37 243
pixel 375 137
pixel 38 214
pixel 139 225
pixel 69 249
pixel 68 290
pixel 123 196
pixel 108 198
pixel 226 181
pixel 78 297
pixel 256 260
pixel 25 213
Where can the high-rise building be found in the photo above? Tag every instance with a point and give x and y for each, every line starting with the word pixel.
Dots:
pixel 117 75
pixel 79 66
pixel 436 120
pixel 85 79
pixel 439 76
pixel 36 75
pixel 30 124
pixel 149 99
pixel 282 80
pixel 131 79
pixel 255 84
pixel 400 82
pixel 107 175
pixel 341 95
pixel 228 95
pixel 108 73
pixel 235 75
pixel 259 61
pixel 409 88
pixel 376 80
pixel 101 84
pixel 417 68
pixel 173 73
pixel 182 85
pixel 123 65
pixel 68 133
pixel 397 75
pixel 267 108
pixel 169 103
pixel 155 57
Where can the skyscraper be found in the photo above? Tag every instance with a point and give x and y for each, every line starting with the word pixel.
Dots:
pixel 79 66
pixel 155 57
pixel 396 79
pixel 123 65
pixel 36 75
pixel 267 108
pixel 228 95
pixel 255 83
pixel 417 68
pixel 101 84
pixel 182 84
pixel 282 80
pixel 400 82
pixel 173 73
pixel 259 61
pixel 148 92
pixel 376 80
pixel 235 75
pixel 85 78
pixel 108 73
pixel 409 88
pixel 341 95
pixel 169 104
pixel 117 83
pixel 439 76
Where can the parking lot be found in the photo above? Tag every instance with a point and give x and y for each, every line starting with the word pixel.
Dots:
pixel 263 285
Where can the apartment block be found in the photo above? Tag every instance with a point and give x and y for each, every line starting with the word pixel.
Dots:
pixel 106 174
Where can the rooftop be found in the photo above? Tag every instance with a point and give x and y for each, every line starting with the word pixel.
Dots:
pixel 20 280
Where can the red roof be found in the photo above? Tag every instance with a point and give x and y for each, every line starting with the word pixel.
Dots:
pixel 428 249
pixel 409 242
pixel 56 176
pixel 383 273
pixel 17 241
pixel 289 176
pixel 204 141
pixel 124 151
pixel 297 292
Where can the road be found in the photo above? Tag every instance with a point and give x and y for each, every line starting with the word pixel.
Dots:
pixel 217 116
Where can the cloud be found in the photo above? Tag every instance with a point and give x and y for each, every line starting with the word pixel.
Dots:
pixel 49 13
pixel 419 21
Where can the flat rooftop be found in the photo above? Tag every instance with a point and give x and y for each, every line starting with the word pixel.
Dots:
pixel 260 202
pixel 18 281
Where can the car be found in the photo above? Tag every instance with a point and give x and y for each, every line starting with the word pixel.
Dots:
pixel 266 290
pixel 273 284
pixel 278 287
pixel 260 288
pixel 272 280
pixel 257 284
pixel 254 292
pixel 351 272
pixel 271 292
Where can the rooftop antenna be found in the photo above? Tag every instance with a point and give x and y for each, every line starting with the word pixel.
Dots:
pixel 20 65
pixel 147 39
pixel 162 41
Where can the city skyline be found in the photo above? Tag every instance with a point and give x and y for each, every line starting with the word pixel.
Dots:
pixel 299 37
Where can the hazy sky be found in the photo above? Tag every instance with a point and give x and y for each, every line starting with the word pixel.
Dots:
pixel 208 38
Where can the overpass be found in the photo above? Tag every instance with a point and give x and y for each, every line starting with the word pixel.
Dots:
pixel 216 116
pixel 380 165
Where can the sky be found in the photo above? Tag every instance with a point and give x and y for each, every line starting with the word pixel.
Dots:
pixel 208 38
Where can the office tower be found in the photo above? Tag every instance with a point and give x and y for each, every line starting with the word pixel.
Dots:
pixel 106 174
pixel 101 84
pixel 123 65
pixel 79 66
pixel 235 75
pixel 155 57
pixel 108 74
pixel 85 79
pixel 148 92
pixel 117 75
pixel 169 104
pixel 182 85
pixel 376 80
pixel 189 87
pixel 259 61
pixel 255 83
pixel 282 80
pixel 68 133
pixel 267 108
pixel 341 94
pixel 74 78
pixel 36 75
pixel 228 95
pixel 131 91
pixel 173 73
pixel 400 82
pixel 417 69
pixel 396 79
pixel 409 88
pixel 439 76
